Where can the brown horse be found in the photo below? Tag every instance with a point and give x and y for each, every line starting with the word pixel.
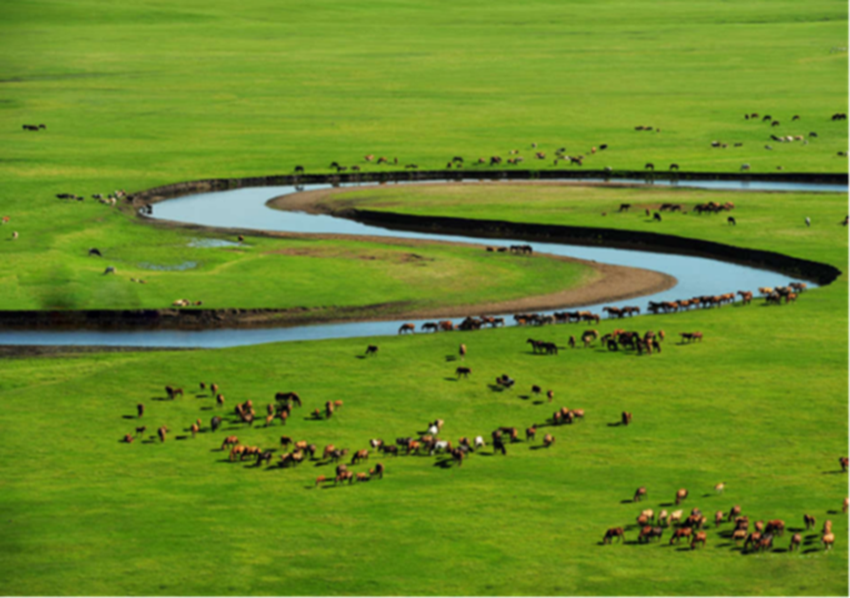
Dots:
pixel 411 328
pixel 613 532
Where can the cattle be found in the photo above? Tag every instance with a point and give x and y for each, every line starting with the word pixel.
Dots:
pixel 161 432
pixel 372 350
pixel 827 540
pixel 734 512
pixel 614 532
pixel 548 440
pixel 128 438
pixel 681 495
pixel 321 479
pixel 173 392
pixel 463 371
pixel 140 409
pixel 640 493
pixel 656 217
pixel 195 428
pixel 731 220
pixel 626 418
pixel 411 328
pixel 285 441
pixel 229 441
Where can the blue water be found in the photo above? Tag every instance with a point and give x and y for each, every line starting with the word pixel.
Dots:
pixel 246 208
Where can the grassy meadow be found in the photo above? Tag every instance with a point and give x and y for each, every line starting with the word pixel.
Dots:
pixel 142 93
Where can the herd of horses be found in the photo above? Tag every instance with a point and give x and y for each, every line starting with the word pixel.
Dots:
pixel 652 526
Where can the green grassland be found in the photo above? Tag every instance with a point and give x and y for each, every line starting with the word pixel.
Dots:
pixel 768 221
pixel 138 94
pixel 143 93
pixel 760 404
pixel 54 271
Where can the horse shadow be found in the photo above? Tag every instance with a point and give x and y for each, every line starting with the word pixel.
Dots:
pixel 360 357
pixel 626 502
pixel 833 472
pixel 615 424
pixel 723 545
pixel 796 529
pixel 538 402
pixel 314 418
pixel 666 504
pixel 495 388
pixel 206 408
pixel 684 549
pixel 200 396
pixel 810 550
pixel 524 397
pixel 780 550
pixel 451 379
pixel 129 417
pixel 182 437
pixel 537 448
pixel 149 441
pixel 832 512
pixel 444 464
pixel 451 358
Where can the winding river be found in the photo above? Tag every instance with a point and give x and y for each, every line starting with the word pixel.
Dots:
pixel 246 208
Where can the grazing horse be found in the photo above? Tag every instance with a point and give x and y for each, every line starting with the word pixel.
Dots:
pixel 809 520
pixel 614 532
pixel 796 540
pixel 691 336
pixel 682 532
pixel 140 409
pixel 372 350
pixel 731 220
pixel 656 217
pixel 699 538
pixel 430 326
pixel 161 433
pixel 674 166
pixel 640 493
pixel 463 371
pixel 626 418
pixel 411 328
pixel 548 440
pixel 827 540
pixel 173 392
pixel 681 495
pixel 649 166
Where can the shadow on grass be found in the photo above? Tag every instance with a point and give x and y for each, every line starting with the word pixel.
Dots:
pixel 666 504
pixel 537 448
pixel 451 358
pixel 833 472
pixel 451 379
pixel 129 417
pixel 615 424
pixel 810 550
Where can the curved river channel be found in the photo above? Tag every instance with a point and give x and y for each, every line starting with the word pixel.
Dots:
pixel 246 208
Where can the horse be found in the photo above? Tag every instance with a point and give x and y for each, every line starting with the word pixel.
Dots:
pixel 463 371
pixel 411 328
pixel 372 350
pixel 614 532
